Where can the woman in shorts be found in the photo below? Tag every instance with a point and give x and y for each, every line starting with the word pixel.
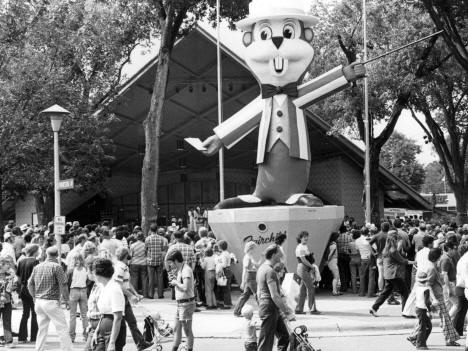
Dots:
pixel 185 297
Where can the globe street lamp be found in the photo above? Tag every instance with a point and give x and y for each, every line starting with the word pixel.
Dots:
pixel 56 114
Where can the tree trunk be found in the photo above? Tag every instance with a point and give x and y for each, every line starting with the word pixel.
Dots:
pixel 152 126
pixel 374 162
pixel 461 198
pixel 1 208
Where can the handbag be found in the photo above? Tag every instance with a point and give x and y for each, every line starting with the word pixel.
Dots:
pixel 221 280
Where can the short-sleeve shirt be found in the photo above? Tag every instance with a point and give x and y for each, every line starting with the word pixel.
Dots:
pixel 122 274
pixel 265 275
pixel 185 273
pixel 302 250
pixel 447 265
pixel 111 298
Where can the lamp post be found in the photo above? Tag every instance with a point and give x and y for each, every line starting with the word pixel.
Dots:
pixel 56 114
pixel 368 213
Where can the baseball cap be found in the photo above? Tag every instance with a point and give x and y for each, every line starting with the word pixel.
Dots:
pixel 24 227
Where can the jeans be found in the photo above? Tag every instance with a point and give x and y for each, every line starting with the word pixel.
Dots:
pixel 425 327
pixel 250 289
pixel 132 323
pixel 367 278
pixel 227 299
pixel 28 308
pixel 5 311
pixel 199 276
pixel 354 268
pixel 343 266
pixel 210 281
pixel 139 275
pixel 272 324
pixel 50 311
pixel 78 296
pixel 391 285
pixel 460 314
pixel 155 275
pixel 307 288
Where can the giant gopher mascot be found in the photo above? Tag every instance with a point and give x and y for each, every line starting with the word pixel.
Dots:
pixel 278 39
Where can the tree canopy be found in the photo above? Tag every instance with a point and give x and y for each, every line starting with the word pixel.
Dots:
pixel 399 156
pixel 70 53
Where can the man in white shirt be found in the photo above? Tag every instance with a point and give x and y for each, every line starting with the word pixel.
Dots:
pixel 368 266
pixel 77 250
pixel 8 249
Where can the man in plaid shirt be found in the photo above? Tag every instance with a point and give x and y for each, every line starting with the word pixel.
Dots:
pixel 156 248
pixel 47 282
pixel 342 246
pixel 188 253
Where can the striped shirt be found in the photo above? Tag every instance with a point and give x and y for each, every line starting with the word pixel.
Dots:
pixel 138 252
pixel 47 280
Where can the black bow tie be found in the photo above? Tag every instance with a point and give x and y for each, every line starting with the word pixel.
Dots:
pixel 269 90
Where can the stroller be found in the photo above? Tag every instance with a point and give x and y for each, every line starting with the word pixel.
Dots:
pixel 155 330
pixel 298 340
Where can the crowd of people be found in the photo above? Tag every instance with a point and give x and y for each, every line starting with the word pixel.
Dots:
pixel 91 262
pixel 406 261
pixel 101 271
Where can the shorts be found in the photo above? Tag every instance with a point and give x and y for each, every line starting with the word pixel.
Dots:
pixel 185 311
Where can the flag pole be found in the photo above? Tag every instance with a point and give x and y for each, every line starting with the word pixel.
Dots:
pixel 220 97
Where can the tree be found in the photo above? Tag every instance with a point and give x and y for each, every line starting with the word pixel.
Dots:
pixel 391 79
pixel 435 179
pixel 174 19
pixel 399 157
pixel 443 98
pixel 66 52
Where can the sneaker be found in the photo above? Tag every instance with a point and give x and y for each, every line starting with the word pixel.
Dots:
pixel 411 340
pixel 237 315
pixel 393 302
pixel 452 343
pixel 373 312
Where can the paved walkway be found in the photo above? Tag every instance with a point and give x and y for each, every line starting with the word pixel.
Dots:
pixel 346 315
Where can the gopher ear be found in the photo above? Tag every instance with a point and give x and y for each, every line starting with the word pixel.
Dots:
pixel 247 38
pixel 308 34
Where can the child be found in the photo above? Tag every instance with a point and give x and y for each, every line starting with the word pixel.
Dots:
pixel 6 287
pixel 77 280
pixel 424 299
pixel 208 264
pixel 250 333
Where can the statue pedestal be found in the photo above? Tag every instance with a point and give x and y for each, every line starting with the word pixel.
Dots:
pixel 262 224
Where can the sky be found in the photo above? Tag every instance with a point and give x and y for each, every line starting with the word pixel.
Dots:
pixel 233 40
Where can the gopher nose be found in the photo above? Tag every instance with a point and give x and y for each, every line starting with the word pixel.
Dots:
pixel 277 41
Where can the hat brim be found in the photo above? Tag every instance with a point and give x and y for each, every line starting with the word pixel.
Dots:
pixel 246 23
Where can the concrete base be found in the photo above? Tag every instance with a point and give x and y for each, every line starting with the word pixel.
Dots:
pixel 261 224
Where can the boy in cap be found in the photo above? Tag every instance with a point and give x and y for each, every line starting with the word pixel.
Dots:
pixel 424 305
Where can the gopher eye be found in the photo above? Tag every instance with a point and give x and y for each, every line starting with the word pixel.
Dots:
pixel 266 33
pixel 289 31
